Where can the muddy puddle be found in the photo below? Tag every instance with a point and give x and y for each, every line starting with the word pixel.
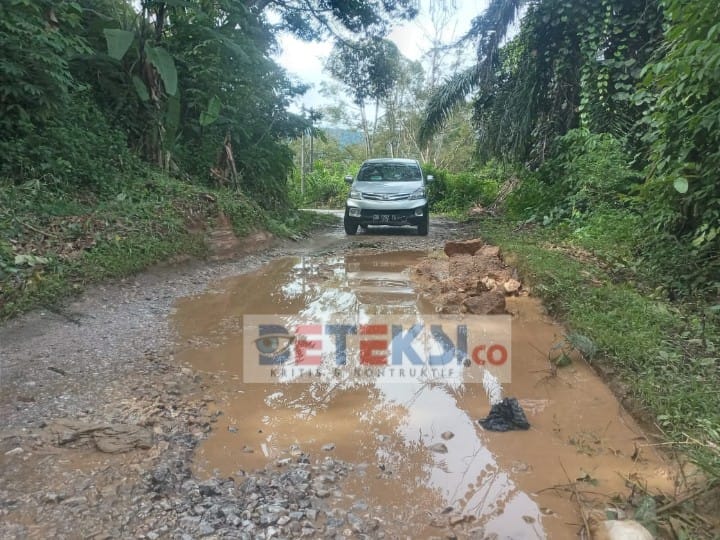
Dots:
pixel 513 485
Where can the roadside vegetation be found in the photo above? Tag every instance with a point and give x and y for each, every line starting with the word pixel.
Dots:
pixel 660 355
pixel 455 193
pixel 54 242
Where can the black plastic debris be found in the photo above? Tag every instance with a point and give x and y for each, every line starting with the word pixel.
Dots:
pixel 505 416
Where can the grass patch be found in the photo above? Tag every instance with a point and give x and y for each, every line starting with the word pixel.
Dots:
pixel 54 242
pixel 295 223
pixel 665 353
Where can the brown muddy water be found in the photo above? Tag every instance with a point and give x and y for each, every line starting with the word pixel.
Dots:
pixel 513 485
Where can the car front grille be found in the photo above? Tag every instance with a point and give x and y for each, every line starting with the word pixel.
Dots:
pixel 386 196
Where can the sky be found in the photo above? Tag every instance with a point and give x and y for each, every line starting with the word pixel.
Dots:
pixel 304 61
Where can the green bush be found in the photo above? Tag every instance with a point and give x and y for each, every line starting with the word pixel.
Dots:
pixel 458 192
pixel 665 353
pixel 612 234
pixel 531 198
pixel 585 172
pixel 35 80
pixel 54 240
pixel 592 169
pixel 681 92
pixel 324 186
pixel 244 213
pixel 74 148
pixel 588 186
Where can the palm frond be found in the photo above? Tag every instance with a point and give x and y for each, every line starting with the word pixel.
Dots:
pixel 493 25
pixel 445 100
pixel 497 17
pixel 489 30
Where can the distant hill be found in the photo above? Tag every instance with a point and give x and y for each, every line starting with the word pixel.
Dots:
pixel 344 137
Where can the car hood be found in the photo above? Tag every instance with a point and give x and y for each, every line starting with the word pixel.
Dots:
pixel 388 187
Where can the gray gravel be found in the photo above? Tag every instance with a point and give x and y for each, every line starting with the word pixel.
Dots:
pixel 108 357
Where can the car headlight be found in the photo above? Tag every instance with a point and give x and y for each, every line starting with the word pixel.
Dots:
pixel 355 194
pixel 418 194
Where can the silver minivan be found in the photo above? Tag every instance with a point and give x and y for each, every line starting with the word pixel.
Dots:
pixel 388 191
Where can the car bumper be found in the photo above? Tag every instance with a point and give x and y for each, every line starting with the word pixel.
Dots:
pixel 386 213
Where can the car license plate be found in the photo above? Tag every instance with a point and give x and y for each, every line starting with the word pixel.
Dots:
pixel 384 218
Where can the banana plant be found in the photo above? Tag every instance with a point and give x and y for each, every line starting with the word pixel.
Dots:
pixel 152 72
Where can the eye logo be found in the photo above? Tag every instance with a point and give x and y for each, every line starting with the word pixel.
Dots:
pixel 273 344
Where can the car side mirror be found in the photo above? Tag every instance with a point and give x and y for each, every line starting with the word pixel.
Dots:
pixel 430 178
pixel 348 179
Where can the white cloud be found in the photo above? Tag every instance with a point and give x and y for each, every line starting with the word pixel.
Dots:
pixel 305 62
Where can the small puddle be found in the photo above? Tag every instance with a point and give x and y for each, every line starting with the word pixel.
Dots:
pixel 507 481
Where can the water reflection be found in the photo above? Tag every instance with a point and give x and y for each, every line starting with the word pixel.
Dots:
pixel 388 427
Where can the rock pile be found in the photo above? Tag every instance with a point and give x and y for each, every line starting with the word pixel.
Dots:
pixel 472 279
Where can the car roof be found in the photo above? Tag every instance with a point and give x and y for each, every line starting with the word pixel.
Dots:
pixel 392 160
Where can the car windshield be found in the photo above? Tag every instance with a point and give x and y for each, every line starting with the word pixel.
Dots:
pixel 389 172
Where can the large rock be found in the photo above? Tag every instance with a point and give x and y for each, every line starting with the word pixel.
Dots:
pixel 486 284
pixel 465 282
pixel 448 303
pixel 467 269
pixel 466 247
pixel 627 529
pixel 511 286
pixel 488 303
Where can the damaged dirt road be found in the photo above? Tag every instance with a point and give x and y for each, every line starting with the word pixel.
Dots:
pixel 125 413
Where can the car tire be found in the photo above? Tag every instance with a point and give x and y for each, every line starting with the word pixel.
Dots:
pixel 424 226
pixel 351 226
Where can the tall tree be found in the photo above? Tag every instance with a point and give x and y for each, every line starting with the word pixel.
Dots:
pixel 439 34
pixel 189 85
pixel 369 69
pixel 488 31
pixel 451 144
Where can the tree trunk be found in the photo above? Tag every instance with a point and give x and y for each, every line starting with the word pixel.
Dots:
pixel 302 164
pixel 312 148
pixel 366 130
